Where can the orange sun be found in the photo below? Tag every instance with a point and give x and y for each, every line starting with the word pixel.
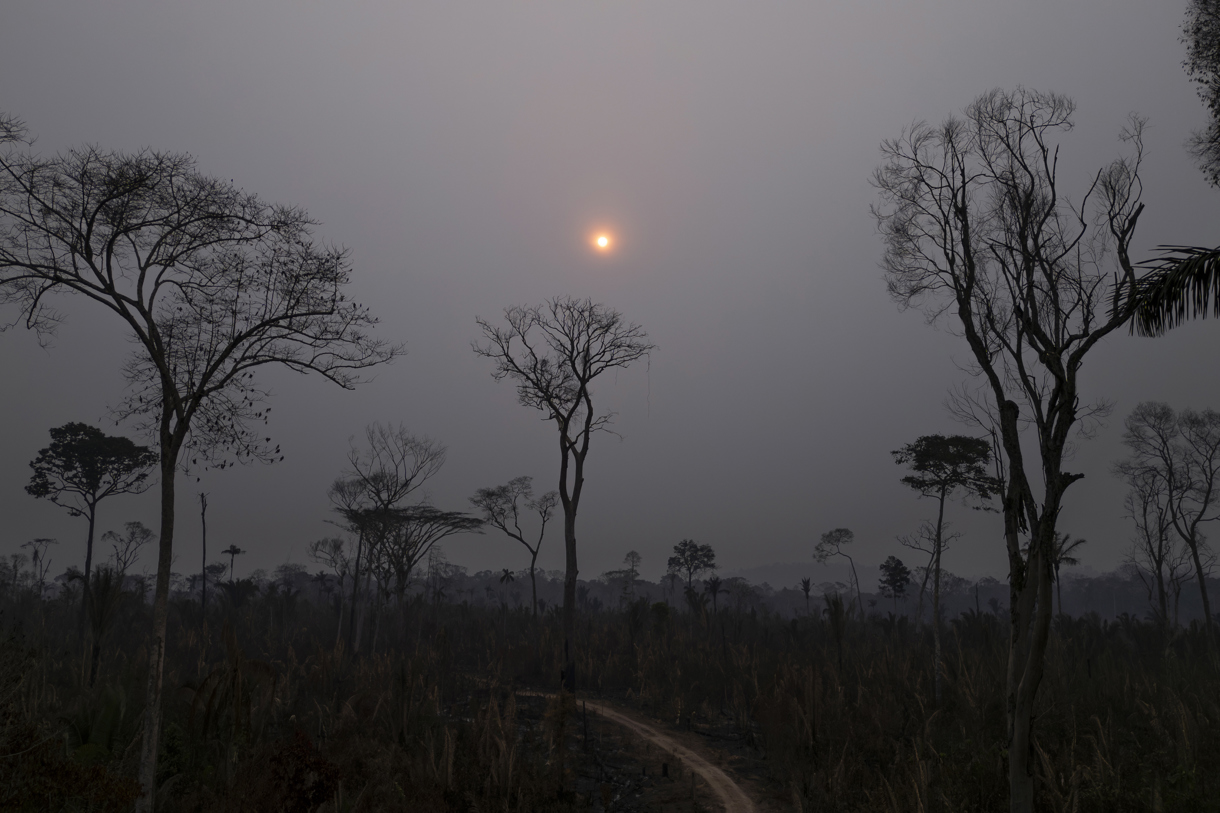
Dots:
pixel 602 242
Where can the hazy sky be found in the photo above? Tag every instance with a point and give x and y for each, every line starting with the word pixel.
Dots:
pixel 464 151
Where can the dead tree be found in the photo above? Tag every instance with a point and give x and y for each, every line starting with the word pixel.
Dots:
pixel 979 235
pixel 553 353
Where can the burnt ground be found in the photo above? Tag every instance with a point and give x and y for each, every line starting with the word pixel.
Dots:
pixel 617 770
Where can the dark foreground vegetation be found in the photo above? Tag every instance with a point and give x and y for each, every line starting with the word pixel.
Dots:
pixel 265 712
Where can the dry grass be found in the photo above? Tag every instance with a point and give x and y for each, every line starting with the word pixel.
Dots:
pixel 263 711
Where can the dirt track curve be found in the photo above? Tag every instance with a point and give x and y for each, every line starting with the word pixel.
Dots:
pixel 728 792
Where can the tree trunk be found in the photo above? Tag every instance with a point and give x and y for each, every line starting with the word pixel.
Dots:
pixel 156 647
pixel 1201 575
pixel 569 598
pixel 203 518
pixel 87 594
pixel 353 611
pixel 533 576
pixel 937 546
pixel 1035 603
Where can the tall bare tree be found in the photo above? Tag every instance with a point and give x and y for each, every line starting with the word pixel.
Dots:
pixel 1180 452
pixel 1160 559
pixel 554 352
pixel 212 283
pixel 979 235
pixel 502 506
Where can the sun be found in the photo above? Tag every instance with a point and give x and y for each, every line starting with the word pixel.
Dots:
pixel 602 242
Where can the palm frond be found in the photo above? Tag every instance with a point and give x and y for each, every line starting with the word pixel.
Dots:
pixel 1184 283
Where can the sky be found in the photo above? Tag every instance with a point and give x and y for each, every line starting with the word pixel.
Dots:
pixel 465 152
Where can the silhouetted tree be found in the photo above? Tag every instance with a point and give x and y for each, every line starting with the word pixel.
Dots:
pixel 806 586
pixel 978 233
pixel 39 559
pixel 692 559
pixel 632 560
pixel 1159 557
pixel 232 552
pixel 833 543
pixel 84 466
pixel 1181 453
pixel 391 465
pixel 1064 546
pixel 554 352
pixel 942 466
pixel 127 545
pixel 895 577
pixel 501 506
pixel 714 586
pixel 212 283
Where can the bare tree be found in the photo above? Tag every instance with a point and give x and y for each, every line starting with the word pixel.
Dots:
pixel 212 283
pixel 833 543
pixel 127 545
pixel 1180 452
pixel 391 465
pixel 980 236
pixel 501 507
pixel 410 534
pixel 337 554
pixel 554 352
pixel 1161 561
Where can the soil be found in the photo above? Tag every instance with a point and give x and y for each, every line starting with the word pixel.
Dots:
pixel 626 762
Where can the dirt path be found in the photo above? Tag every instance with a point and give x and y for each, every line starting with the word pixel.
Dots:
pixel 727 792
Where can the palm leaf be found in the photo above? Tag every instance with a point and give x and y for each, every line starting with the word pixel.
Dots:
pixel 1182 284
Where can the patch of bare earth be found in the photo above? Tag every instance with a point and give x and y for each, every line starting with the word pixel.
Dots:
pixel 628 763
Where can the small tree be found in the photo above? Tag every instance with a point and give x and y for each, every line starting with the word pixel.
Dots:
pixel 692 559
pixel 501 507
pixel 632 560
pixel 232 552
pixel 84 466
pixel 895 578
pixel 39 559
pixel 127 545
pixel 806 585
pixel 554 352
pixel 942 466
pixel 833 543
pixel 1064 547
pixel 714 586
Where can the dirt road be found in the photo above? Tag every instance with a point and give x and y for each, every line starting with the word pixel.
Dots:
pixel 722 786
